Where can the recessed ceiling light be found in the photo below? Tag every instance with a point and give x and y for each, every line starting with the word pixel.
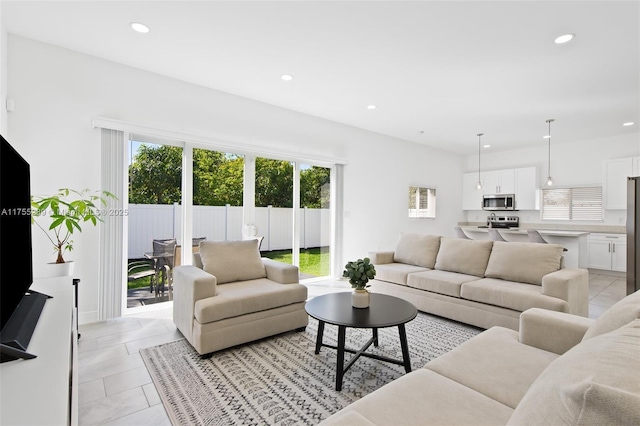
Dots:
pixel 371 107
pixel 629 123
pixel 546 137
pixel 564 38
pixel 486 146
pixel 286 77
pixel 141 28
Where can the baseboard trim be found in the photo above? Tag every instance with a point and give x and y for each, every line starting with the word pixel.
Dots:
pixel 87 317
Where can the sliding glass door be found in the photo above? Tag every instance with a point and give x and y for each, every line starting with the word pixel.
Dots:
pixel 154 221
pixel 229 196
pixel 315 221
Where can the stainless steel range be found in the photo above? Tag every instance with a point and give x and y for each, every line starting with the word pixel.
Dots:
pixel 502 222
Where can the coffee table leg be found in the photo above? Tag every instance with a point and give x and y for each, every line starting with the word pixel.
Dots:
pixel 340 360
pixel 405 348
pixel 375 337
pixel 319 337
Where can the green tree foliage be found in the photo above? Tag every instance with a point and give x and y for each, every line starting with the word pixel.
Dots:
pixel 274 183
pixel 155 178
pixel 155 175
pixel 217 178
pixel 314 187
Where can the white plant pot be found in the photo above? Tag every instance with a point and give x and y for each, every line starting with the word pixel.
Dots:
pixel 360 299
pixel 54 270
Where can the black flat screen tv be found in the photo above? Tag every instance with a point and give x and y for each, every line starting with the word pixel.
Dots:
pixel 16 267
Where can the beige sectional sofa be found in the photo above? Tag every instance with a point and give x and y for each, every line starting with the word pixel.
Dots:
pixel 232 296
pixel 483 283
pixel 559 369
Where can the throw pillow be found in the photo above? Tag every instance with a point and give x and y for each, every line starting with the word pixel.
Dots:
pixel 463 256
pixel 231 261
pixel 594 383
pixel 416 249
pixel 523 262
pixel 623 312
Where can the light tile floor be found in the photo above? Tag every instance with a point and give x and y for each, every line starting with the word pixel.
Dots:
pixel 115 387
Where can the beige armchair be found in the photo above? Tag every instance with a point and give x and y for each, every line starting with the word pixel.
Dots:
pixel 231 296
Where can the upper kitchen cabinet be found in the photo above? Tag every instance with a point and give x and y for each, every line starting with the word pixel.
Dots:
pixel 526 188
pixel 521 182
pixel 616 173
pixel 471 196
pixel 499 182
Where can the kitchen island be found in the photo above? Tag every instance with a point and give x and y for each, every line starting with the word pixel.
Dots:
pixel 576 256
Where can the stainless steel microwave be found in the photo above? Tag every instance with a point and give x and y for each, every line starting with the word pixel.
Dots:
pixel 499 202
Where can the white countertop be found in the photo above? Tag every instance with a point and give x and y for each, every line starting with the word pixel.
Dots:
pixel 551 232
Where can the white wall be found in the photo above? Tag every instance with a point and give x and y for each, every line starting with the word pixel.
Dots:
pixel 3 75
pixel 575 163
pixel 58 92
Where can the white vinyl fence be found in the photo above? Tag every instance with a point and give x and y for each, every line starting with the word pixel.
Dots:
pixel 224 223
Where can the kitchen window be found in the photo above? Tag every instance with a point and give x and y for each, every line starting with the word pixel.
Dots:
pixel 572 203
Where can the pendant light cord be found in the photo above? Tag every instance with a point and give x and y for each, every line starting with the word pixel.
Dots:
pixel 479 143
pixel 549 151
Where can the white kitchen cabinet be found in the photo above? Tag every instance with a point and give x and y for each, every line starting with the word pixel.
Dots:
pixel 619 256
pixel 616 173
pixel 499 181
pixel 526 188
pixel 608 252
pixel 471 196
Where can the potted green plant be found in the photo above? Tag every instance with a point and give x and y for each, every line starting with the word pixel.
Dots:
pixel 359 273
pixel 65 212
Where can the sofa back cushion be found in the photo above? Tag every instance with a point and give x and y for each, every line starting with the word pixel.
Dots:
pixel 464 256
pixel 594 383
pixel 623 312
pixel 417 249
pixel 523 262
pixel 232 261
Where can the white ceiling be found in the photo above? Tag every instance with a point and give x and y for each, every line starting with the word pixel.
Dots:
pixel 448 69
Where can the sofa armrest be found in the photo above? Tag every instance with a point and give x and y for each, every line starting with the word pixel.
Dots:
pixel 381 257
pixel 552 331
pixel 571 285
pixel 190 284
pixel 279 272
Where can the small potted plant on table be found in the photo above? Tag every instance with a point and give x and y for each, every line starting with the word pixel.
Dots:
pixel 359 273
pixel 66 210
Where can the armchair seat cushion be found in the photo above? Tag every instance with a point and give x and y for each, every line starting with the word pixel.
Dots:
pixel 511 295
pixel 245 297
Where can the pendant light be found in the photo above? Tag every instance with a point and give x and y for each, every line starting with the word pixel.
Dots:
pixel 549 180
pixel 479 184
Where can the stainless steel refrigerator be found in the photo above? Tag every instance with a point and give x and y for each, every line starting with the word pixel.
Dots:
pixel 633 234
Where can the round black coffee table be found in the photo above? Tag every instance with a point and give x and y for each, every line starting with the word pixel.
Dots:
pixel 383 311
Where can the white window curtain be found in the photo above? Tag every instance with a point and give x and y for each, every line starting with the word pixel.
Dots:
pixel 112 270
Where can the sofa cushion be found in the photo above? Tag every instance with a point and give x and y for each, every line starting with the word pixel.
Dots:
pixel 523 262
pixel 511 295
pixel 622 313
pixel 232 261
pixel 417 249
pixel 594 383
pixel 464 256
pixel 423 397
pixel 495 364
pixel 396 272
pixel 442 282
pixel 245 297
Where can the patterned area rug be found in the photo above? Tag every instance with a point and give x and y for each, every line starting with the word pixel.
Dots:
pixel 280 381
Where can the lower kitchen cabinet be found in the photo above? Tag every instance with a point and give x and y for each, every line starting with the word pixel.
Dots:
pixel 608 252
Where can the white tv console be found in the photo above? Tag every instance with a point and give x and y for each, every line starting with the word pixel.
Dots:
pixel 44 390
